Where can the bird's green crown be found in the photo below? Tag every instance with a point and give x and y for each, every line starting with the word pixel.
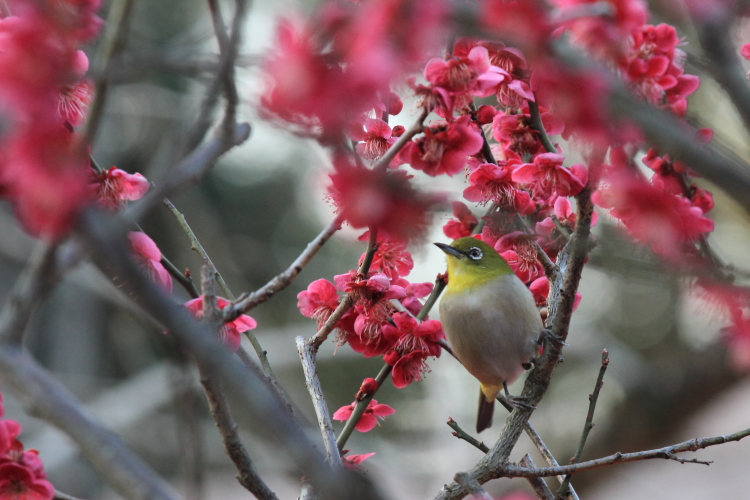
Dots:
pixel 472 263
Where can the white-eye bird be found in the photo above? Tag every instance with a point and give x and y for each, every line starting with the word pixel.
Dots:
pixel 489 317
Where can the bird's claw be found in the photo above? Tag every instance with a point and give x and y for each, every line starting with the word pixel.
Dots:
pixel 517 402
pixel 549 335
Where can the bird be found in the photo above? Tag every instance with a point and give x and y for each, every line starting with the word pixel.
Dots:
pixel 490 319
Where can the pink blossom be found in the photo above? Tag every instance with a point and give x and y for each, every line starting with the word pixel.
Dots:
pixel 148 256
pixel 493 183
pixel 444 149
pixel 745 51
pixel 115 186
pixel 229 334
pixel 414 292
pixel 377 138
pixel 519 250
pixel 463 224
pixel 409 335
pixel 547 176
pixel 318 301
pixel 407 368
pixel 391 257
pixel 352 462
pixel 383 200
pixel 369 418
pixel 19 483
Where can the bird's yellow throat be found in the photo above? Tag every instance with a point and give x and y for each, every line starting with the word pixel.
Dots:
pixel 466 277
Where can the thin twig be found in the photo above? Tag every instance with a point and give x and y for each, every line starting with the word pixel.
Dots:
pixel 462 434
pixel 307 357
pixel 59 495
pixel 667 453
pixel 547 456
pixel 537 483
pixel 248 475
pixel 284 279
pixel 196 245
pixel 322 334
pixel 589 424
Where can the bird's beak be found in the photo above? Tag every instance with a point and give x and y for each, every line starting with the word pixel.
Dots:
pixel 449 250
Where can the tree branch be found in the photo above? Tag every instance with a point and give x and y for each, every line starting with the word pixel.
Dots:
pixel 284 279
pixel 537 483
pixel 307 356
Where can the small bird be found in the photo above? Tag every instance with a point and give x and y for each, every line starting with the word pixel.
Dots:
pixel 490 319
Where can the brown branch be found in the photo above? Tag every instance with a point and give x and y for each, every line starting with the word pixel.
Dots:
pixel 284 279
pixel 248 475
pixel 306 352
pixel 106 239
pixel 666 453
pixel 536 123
pixel 537 483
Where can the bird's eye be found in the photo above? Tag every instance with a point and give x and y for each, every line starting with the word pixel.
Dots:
pixel 474 253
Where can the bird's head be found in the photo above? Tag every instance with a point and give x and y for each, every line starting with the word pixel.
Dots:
pixel 472 262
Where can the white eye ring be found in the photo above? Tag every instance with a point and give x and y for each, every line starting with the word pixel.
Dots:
pixel 474 253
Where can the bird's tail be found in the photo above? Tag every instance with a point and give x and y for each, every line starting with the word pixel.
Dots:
pixel 486 408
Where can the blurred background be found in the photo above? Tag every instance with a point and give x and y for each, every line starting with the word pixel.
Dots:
pixel 670 377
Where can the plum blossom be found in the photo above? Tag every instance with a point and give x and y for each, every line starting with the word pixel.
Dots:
pixel 494 183
pixel 229 334
pixel 375 139
pixel 369 418
pixel 148 256
pixel 318 301
pixel 115 186
pixel 548 177
pixel 443 149
pixel 463 224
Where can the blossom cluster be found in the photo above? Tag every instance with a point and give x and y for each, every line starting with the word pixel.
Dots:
pixel 22 474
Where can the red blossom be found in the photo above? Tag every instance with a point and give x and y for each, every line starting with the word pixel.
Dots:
pixel 444 149
pixel 148 256
pixel 516 133
pixel 463 224
pixel 407 368
pixel 383 200
pixel 377 138
pixel 369 418
pixel 548 177
pixel 229 334
pixel 19 483
pixel 519 250
pixel 115 186
pixel 391 257
pixel 369 386
pixel 409 335
pixel 493 183
pixel 414 292
pixel 663 221
pixel 318 301
pixel 352 462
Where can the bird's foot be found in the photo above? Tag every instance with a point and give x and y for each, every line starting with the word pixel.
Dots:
pixel 527 366
pixel 518 402
pixel 549 336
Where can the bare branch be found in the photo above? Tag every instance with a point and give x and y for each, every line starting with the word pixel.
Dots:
pixel 666 453
pixel 307 356
pixel 59 495
pixel 537 483
pixel 251 395
pixel 284 279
